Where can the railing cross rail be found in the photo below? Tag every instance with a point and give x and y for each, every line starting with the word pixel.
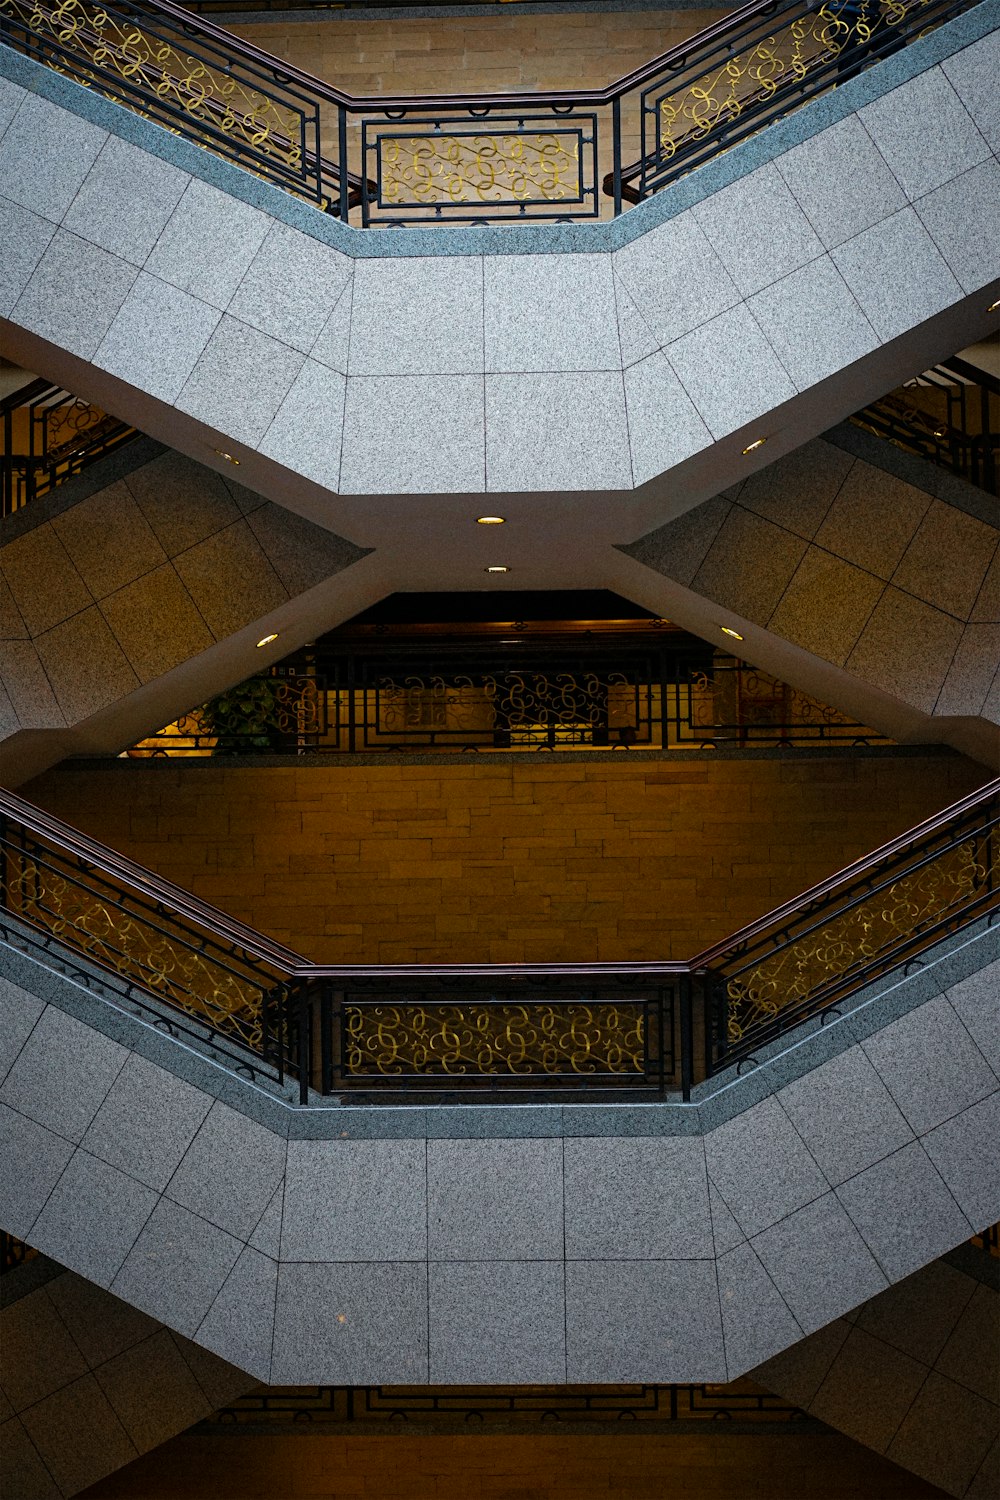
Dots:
pixel 599 1025
pixel 476 157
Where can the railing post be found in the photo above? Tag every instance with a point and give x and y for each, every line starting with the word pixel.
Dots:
pixel 616 133
pixel 687 1038
pixel 326 1040
pixel 304 1039
pixel 345 195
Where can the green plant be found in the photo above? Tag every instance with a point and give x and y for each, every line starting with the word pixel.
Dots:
pixel 248 718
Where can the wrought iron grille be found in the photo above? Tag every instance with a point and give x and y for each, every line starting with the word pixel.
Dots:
pixel 874 917
pixel 533 694
pixel 482 1406
pixel 376 1032
pixel 473 158
pixel 13 1252
pixel 154 937
pixel 46 437
pixel 950 415
pixel 657 1027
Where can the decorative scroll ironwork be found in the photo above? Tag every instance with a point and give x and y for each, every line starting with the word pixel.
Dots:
pixel 860 936
pixel 764 65
pixel 291 719
pixel 552 695
pixel 46 437
pixel 949 414
pixel 508 708
pixel 479 1406
pixel 472 1039
pixel 631 1026
pixel 145 945
pixel 513 166
pixel 736 703
pixel 173 71
pixel 482 158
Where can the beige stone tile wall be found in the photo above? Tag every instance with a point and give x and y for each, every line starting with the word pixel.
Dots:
pixel 503 861
pixel 482 54
pixel 193 551
pixel 477 53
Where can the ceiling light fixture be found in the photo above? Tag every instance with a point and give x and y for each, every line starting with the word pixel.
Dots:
pixel 497 568
pixel 752 448
pixel 734 633
pixel 228 457
pixel 994 306
pixel 490 520
pixel 267 640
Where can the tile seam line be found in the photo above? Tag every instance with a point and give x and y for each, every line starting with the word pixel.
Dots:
pixel 614 233
pixel 873 1252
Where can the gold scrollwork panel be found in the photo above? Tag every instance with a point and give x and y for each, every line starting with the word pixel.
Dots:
pixel 121 940
pixel 162 70
pixel 512 702
pixel 784 57
pixel 439 169
pixel 870 929
pixel 494 1039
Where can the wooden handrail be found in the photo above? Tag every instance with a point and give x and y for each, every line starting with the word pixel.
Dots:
pixel 282 71
pixel 851 872
pixel 294 966
pixel 69 840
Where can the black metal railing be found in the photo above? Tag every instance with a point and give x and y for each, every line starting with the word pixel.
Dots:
pixel 950 415
pixel 478 1407
pixel 527 693
pixel 473 158
pixel 46 437
pixel 411 1030
pixel 13 1252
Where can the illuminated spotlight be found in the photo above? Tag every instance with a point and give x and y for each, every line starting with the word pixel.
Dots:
pixel 734 633
pixel 497 568
pixel 230 459
pixel 490 520
pixel 757 443
pixel 267 640
pixel 994 306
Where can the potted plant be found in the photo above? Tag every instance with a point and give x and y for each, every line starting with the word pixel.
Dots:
pixel 248 719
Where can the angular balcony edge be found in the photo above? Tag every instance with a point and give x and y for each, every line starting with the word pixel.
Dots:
pixel 536 1255
pixel 736 162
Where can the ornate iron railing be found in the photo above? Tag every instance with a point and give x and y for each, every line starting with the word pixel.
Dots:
pixel 875 916
pixel 478 1407
pixel 46 437
pixel 474 158
pixel 13 1252
pixel 410 1029
pixel 559 693
pixel 949 415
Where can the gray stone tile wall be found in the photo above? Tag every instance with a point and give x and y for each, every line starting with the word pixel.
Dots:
pixel 914 1374
pixel 75 627
pixel 842 557
pixel 586 1244
pixel 88 1383
pixel 787 269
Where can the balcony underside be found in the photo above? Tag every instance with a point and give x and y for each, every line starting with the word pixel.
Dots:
pixel 541 1243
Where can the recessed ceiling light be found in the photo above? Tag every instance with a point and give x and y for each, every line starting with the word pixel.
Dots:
pixel 497 568
pixel 752 448
pixel 994 306
pixel 734 633
pixel 490 520
pixel 267 640
pixel 228 457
